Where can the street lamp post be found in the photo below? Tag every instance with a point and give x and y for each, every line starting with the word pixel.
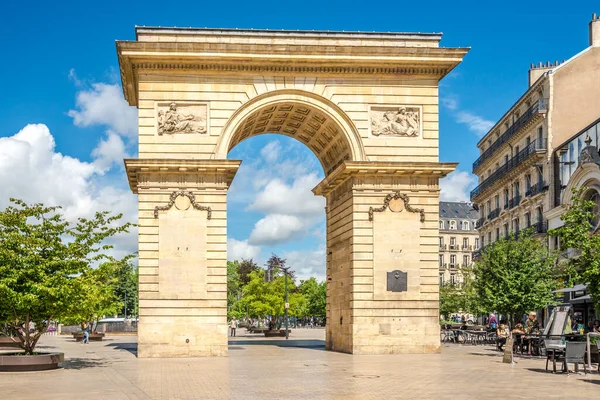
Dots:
pixel 285 272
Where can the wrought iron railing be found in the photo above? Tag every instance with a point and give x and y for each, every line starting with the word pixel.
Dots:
pixel 540 227
pixel 539 107
pixel 479 223
pixel 515 201
pixel 493 214
pixel 536 189
pixel 512 163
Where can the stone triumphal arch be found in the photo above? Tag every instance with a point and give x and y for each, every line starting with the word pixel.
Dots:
pixel 365 103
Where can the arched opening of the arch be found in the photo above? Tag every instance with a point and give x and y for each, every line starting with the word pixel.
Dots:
pixel 322 136
pixel 305 123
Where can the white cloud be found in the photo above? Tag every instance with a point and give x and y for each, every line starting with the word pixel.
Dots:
pixel 277 197
pixel 240 249
pixel 103 104
pixel 307 263
pixel 475 123
pixel 31 170
pixel 276 228
pixel 456 186
pixel 110 151
pixel 270 153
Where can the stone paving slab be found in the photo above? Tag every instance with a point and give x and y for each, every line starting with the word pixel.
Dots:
pixel 276 369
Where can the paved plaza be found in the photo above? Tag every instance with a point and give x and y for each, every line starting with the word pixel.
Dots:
pixel 298 369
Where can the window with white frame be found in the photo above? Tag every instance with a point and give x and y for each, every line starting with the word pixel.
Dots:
pixel 441 224
pixel 466 226
pixel 452 225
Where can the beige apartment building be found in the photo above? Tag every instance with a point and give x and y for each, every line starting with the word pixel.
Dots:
pixel 516 167
pixel 458 239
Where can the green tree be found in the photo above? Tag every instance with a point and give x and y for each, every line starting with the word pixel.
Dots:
pixel 451 299
pixel 126 287
pixel 265 298
pixel 234 284
pixel 42 259
pixel 316 297
pixel 95 297
pixel 579 237
pixel 515 276
pixel 245 267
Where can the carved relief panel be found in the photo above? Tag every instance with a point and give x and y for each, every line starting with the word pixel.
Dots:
pixel 396 121
pixel 181 117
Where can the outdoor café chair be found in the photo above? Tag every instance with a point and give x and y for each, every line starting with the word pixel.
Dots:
pixel 552 352
pixel 575 353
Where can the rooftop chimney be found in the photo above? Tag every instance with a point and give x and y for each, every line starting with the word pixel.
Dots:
pixel 535 71
pixel 595 31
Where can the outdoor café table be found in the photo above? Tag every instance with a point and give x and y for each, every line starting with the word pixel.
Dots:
pixel 534 342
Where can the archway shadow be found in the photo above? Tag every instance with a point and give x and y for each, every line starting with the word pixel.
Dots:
pixel 130 347
pixel 310 344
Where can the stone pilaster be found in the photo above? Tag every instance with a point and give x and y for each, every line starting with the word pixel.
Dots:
pixel 383 217
pixel 182 255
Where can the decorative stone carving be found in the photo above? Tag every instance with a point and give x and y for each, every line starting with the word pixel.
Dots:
pixel 394 196
pixel 182 119
pixel 401 121
pixel 397 281
pixel 589 154
pixel 192 199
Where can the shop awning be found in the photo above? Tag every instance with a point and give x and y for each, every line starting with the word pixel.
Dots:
pixel 577 288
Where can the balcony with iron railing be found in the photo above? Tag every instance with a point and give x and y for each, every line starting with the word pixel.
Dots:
pixel 468 248
pixel 442 247
pixel 536 189
pixel 527 153
pixel 454 247
pixel 479 223
pixel 495 213
pixel 539 227
pixel 539 108
pixel 515 201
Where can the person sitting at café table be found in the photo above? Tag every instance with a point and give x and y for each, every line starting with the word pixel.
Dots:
pixel 530 322
pixel 590 327
pixel 503 334
pixel 597 326
pixel 518 329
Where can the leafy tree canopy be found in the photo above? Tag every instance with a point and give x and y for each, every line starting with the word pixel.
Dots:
pixel 579 240
pixel 515 276
pixel 42 260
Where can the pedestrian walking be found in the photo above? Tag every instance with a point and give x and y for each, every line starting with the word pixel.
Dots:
pixel 86 333
pixel 233 325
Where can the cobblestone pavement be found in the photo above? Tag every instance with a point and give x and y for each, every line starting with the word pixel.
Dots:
pixel 275 369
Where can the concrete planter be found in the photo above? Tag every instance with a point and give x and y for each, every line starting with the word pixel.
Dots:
pixel 9 342
pixel 93 337
pixel 20 363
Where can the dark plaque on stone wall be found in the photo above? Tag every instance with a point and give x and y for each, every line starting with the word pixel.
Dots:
pixel 396 281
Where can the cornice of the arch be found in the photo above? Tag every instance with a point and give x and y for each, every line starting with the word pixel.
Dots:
pixel 327 107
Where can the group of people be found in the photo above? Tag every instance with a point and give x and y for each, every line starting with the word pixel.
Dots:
pixel 521 330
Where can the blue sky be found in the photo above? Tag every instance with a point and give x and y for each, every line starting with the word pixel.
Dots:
pixel 59 78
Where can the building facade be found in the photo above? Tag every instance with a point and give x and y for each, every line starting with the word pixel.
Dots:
pixel 515 167
pixel 458 239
